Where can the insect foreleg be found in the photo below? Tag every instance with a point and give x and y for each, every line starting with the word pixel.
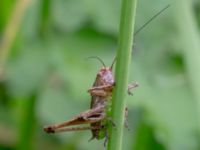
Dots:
pixel 102 87
pixel 102 90
pixel 132 86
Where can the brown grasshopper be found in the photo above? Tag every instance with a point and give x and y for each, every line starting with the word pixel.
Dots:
pixel 96 116
pixel 101 94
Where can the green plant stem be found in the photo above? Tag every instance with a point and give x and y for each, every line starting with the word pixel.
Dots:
pixel 27 123
pixel 190 40
pixel 44 25
pixel 124 52
pixel 11 30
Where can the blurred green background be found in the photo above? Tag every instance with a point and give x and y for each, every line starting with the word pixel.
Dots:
pixel 44 74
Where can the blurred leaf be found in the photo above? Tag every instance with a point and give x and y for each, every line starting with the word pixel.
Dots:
pixel 145 139
pixel 54 68
pixel 69 15
pixel 6 9
pixel 169 109
pixel 27 71
pixel 86 11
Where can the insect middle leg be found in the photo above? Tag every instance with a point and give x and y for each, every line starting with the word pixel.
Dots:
pixel 101 90
pixel 106 138
pixel 126 118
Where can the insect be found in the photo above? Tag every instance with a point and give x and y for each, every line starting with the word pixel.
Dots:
pixel 101 95
pixel 96 116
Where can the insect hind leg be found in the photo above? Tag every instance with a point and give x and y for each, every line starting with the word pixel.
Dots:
pixel 87 117
pixel 77 129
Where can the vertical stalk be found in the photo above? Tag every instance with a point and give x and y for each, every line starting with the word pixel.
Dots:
pixel 124 51
pixel 44 18
pixel 27 105
pixel 27 123
pixel 189 36
pixel 11 30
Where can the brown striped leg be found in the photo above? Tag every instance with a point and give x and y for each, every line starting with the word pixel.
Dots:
pixel 87 117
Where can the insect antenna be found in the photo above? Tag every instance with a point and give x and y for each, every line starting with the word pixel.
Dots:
pixel 143 26
pixel 151 19
pixel 113 62
pixel 100 60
